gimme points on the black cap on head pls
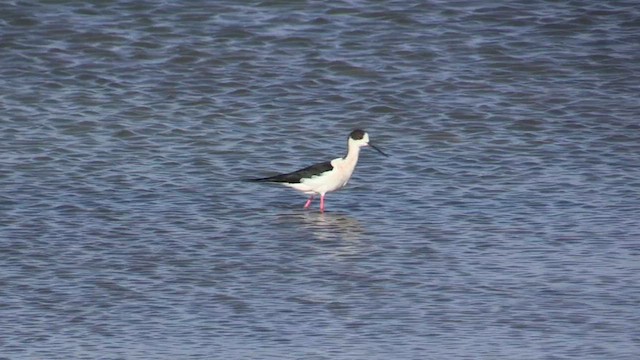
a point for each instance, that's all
(357, 134)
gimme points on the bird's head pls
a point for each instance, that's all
(360, 138)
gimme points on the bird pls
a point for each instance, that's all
(324, 177)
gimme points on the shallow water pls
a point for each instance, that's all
(503, 225)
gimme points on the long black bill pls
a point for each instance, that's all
(378, 150)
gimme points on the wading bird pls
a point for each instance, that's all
(325, 177)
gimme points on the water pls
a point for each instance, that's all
(504, 224)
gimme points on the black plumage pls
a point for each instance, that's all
(297, 176)
(357, 134)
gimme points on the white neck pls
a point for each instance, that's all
(353, 153)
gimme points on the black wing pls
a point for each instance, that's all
(297, 176)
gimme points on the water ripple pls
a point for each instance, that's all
(504, 225)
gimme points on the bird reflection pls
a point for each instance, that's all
(330, 225)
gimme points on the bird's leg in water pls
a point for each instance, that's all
(308, 203)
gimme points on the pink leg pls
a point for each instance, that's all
(308, 203)
(322, 203)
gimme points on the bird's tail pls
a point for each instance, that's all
(268, 179)
(282, 178)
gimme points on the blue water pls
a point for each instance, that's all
(504, 225)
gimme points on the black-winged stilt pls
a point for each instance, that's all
(325, 177)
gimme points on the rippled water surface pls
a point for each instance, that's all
(504, 225)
